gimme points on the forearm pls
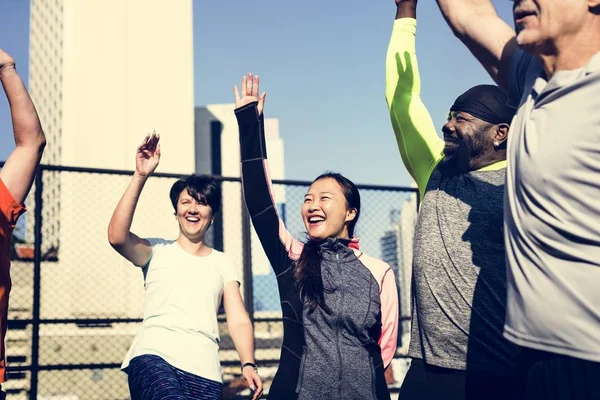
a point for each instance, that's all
(258, 192)
(242, 334)
(486, 35)
(26, 123)
(419, 145)
(406, 9)
(120, 223)
(461, 13)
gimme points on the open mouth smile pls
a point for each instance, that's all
(315, 220)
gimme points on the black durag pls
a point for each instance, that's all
(486, 102)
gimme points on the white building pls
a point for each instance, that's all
(102, 78)
(405, 230)
(397, 250)
(103, 74)
(218, 153)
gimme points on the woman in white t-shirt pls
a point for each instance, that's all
(175, 355)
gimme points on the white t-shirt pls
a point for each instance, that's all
(182, 297)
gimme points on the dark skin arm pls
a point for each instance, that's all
(406, 9)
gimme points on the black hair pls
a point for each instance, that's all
(203, 188)
(307, 273)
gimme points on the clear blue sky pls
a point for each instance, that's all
(322, 64)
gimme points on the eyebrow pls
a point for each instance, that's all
(463, 114)
(310, 194)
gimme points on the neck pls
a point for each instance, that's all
(573, 51)
(193, 246)
(462, 166)
(487, 159)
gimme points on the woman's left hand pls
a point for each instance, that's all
(253, 381)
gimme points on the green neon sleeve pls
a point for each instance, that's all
(420, 147)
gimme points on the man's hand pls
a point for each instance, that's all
(250, 86)
(406, 9)
(148, 155)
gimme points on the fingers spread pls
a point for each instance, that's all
(236, 94)
(249, 84)
(255, 86)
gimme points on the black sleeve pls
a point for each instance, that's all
(277, 243)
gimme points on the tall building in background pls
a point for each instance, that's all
(397, 250)
(405, 231)
(103, 74)
(218, 153)
(389, 243)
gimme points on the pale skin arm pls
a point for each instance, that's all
(242, 333)
(19, 170)
(250, 85)
(491, 40)
(125, 242)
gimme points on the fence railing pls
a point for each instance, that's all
(75, 305)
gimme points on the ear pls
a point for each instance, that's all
(350, 214)
(501, 133)
(593, 4)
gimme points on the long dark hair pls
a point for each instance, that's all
(307, 274)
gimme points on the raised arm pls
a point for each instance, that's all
(19, 170)
(279, 245)
(126, 243)
(491, 40)
(420, 147)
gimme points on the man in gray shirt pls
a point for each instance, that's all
(551, 70)
(459, 274)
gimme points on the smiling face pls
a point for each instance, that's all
(325, 210)
(194, 216)
(544, 25)
(466, 139)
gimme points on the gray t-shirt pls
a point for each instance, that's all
(459, 274)
(552, 209)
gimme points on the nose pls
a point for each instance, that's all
(313, 206)
(448, 128)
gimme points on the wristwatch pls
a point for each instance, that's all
(249, 364)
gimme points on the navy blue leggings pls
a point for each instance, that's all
(152, 378)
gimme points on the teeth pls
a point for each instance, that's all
(193, 219)
(316, 219)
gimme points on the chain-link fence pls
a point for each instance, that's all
(76, 304)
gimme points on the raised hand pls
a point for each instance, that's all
(148, 155)
(250, 86)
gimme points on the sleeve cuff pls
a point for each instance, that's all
(406, 25)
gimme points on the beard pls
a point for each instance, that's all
(461, 160)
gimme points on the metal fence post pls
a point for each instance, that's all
(37, 264)
(247, 265)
